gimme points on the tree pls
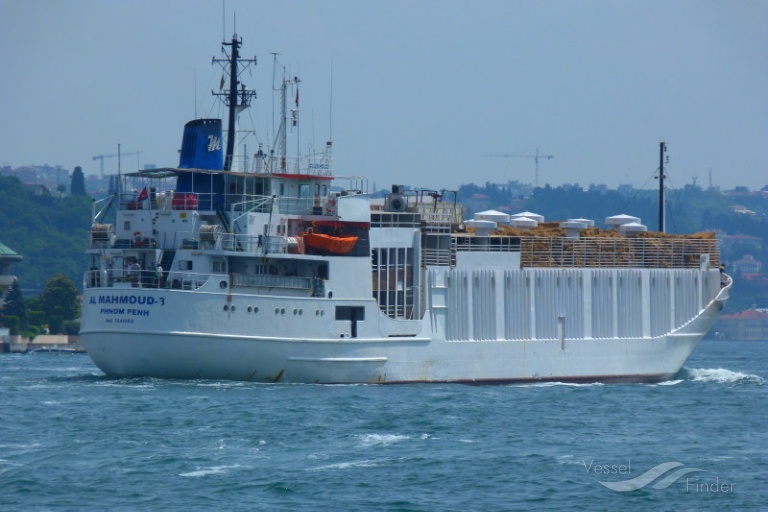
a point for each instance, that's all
(14, 304)
(12, 323)
(60, 299)
(77, 187)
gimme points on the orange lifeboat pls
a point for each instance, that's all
(328, 243)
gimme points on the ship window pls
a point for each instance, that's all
(304, 190)
(127, 225)
(185, 265)
(219, 267)
(282, 189)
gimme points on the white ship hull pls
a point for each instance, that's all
(198, 340)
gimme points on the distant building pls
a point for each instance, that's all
(7, 256)
(746, 265)
(749, 325)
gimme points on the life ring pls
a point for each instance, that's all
(137, 238)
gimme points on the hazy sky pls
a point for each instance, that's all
(422, 90)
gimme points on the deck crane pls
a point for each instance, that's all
(531, 153)
(112, 155)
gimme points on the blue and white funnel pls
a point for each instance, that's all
(201, 146)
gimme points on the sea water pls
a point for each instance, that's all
(73, 439)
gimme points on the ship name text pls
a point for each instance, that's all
(128, 299)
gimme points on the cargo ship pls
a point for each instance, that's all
(266, 271)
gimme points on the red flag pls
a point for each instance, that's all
(142, 195)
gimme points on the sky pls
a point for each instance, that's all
(421, 92)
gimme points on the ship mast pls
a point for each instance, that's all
(281, 136)
(662, 150)
(235, 99)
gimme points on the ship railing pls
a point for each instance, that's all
(168, 200)
(247, 204)
(259, 244)
(667, 252)
(294, 205)
(131, 278)
(206, 201)
(382, 219)
(485, 244)
(441, 216)
(280, 204)
(250, 244)
(318, 164)
(102, 236)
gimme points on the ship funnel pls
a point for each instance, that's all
(201, 145)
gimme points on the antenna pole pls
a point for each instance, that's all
(662, 150)
(330, 122)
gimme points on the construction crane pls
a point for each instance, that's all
(112, 155)
(531, 153)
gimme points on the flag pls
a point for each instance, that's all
(142, 195)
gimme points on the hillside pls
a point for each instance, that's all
(49, 232)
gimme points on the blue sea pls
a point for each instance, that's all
(73, 439)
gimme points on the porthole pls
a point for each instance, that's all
(223, 284)
(277, 311)
(295, 311)
(226, 307)
(301, 312)
(282, 311)
(256, 309)
(250, 309)
(233, 307)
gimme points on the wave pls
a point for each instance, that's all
(668, 383)
(720, 376)
(381, 439)
(367, 463)
(550, 384)
(214, 470)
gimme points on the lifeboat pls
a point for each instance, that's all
(329, 243)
